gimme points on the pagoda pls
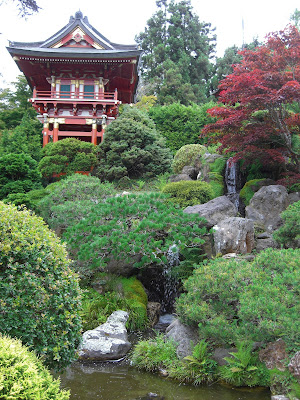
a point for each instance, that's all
(79, 78)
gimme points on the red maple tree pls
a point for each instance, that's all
(260, 103)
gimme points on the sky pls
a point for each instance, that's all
(121, 20)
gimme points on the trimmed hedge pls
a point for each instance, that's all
(189, 193)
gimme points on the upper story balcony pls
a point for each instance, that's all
(74, 96)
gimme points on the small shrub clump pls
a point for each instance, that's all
(23, 376)
(189, 193)
(189, 154)
(39, 293)
(289, 233)
(249, 189)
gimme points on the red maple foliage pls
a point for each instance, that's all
(260, 102)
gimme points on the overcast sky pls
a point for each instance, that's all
(121, 20)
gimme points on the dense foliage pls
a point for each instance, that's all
(71, 199)
(176, 53)
(132, 148)
(39, 294)
(189, 154)
(233, 300)
(189, 193)
(136, 229)
(180, 124)
(18, 174)
(67, 156)
(23, 376)
(289, 233)
(261, 115)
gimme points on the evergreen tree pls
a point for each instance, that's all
(177, 51)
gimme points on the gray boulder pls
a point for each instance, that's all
(190, 171)
(220, 353)
(294, 366)
(234, 235)
(293, 197)
(214, 211)
(184, 336)
(108, 341)
(274, 355)
(266, 205)
(180, 177)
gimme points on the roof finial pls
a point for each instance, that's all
(78, 15)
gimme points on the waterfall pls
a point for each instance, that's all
(233, 182)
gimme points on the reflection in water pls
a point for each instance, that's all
(112, 381)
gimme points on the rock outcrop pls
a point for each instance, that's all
(234, 235)
(108, 341)
(214, 211)
(184, 336)
(266, 206)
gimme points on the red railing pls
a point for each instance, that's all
(74, 95)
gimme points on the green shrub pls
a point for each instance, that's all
(289, 233)
(197, 368)
(67, 156)
(39, 294)
(232, 300)
(18, 174)
(248, 190)
(30, 199)
(153, 354)
(71, 199)
(187, 155)
(285, 383)
(132, 148)
(189, 193)
(244, 368)
(180, 124)
(23, 376)
(136, 229)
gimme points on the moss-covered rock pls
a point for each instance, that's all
(251, 187)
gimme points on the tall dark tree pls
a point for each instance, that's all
(175, 40)
(25, 7)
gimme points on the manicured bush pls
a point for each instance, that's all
(189, 154)
(133, 148)
(39, 294)
(189, 193)
(232, 300)
(23, 376)
(18, 174)
(72, 199)
(67, 156)
(134, 229)
(30, 199)
(289, 233)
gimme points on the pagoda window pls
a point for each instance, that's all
(65, 91)
(88, 91)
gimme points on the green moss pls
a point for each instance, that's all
(23, 376)
(249, 189)
(218, 166)
(189, 193)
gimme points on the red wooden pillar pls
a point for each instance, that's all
(55, 131)
(46, 134)
(94, 133)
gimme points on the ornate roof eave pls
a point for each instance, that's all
(73, 53)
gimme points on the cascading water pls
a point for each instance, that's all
(233, 182)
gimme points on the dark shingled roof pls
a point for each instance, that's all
(44, 48)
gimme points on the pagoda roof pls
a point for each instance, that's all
(78, 30)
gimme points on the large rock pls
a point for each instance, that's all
(214, 211)
(274, 355)
(234, 235)
(180, 177)
(294, 366)
(190, 171)
(220, 353)
(266, 205)
(108, 341)
(153, 310)
(184, 336)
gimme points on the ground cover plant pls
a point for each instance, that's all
(39, 293)
(23, 376)
(189, 193)
(288, 234)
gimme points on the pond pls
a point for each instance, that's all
(114, 381)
